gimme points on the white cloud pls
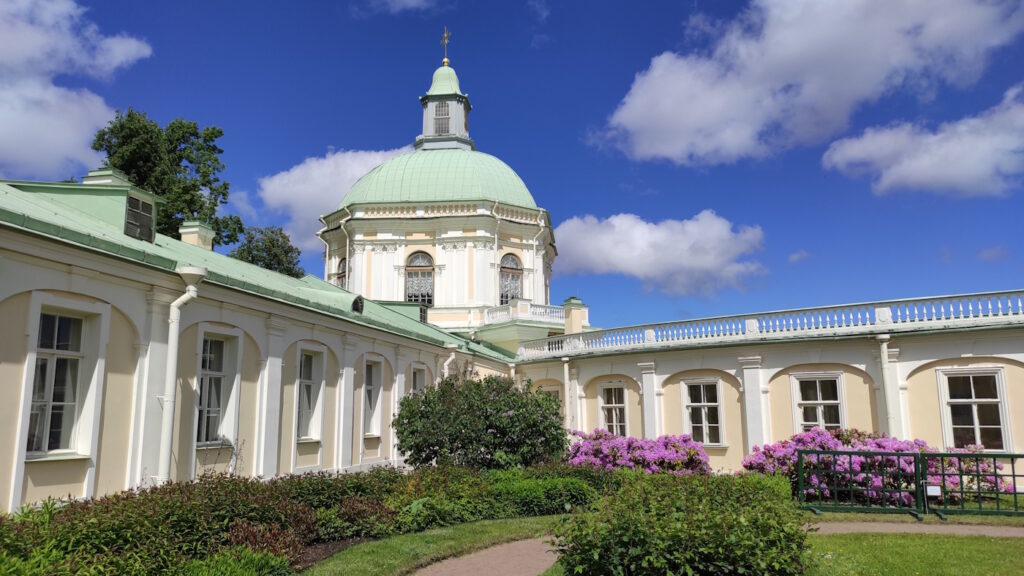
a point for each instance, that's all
(993, 254)
(315, 187)
(979, 155)
(396, 6)
(48, 129)
(799, 256)
(791, 73)
(695, 256)
(540, 9)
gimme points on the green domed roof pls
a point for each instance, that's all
(445, 82)
(448, 175)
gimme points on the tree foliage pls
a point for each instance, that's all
(180, 163)
(489, 423)
(269, 248)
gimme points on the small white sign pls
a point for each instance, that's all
(933, 490)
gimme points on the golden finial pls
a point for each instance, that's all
(445, 38)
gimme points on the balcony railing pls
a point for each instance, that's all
(523, 310)
(884, 317)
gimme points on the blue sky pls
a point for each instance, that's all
(698, 158)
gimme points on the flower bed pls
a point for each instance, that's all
(678, 455)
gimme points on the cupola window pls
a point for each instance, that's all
(511, 278)
(441, 118)
(138, 220)
(340, 277)
(419, 279)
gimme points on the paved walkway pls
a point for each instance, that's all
(533, 557)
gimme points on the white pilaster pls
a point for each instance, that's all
(888, 355)
(145, 439)
(269, 438)
(346, 397)
(649, 399)
(753, 404)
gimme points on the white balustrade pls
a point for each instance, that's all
(525, 311)
(885, 317)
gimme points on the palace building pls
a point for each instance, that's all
(130, 358)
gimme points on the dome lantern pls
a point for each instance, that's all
(445, 110)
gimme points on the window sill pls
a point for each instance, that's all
(308, 441)
(715, 446)
(214, 445)
(372, 435)
(55, 456)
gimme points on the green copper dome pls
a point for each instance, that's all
(445, 82)
(447, 175)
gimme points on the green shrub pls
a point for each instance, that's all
(541, 496)
(695, 525)
(355, 516)
(326, 489)
(489, 423)
(238, 561)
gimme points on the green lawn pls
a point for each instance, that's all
(928, 519)
(404, 554)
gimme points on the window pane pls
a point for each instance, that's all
(695, 397)
(711, 393)
(65, 380)
(961, 414)
(985, 387)
(62, 419)
(696, 416)
(960, 387)
(992, 438)
(697, 432)
(47, 327)
(420, 259)
(613, 396)
(213, 388)
(69, 334)
(36, 431)
(829, 390)
(963, 436)
(810, 414)
(809, 390)
(212, 426)
(712, 415)
(306, 371)
(988, 415)
(831, 415)
(39, 380)
(714, 435)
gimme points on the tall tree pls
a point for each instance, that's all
(269, 248)
(179, 162)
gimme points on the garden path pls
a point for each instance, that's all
(522, 558)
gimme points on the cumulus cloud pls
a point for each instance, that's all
(315, 187)
(979, 155)
(993, 254)
(791, 73)
(799, 256)
(48, 129)
(696, 256)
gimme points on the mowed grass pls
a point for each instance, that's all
(966, 519)
(906, 555)
(404, 554)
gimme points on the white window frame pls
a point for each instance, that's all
(232, 383)
(942, 376)
(797, 399)
(91, 377)
(601, 405)
(372, 424)
(420, 368)
(686, 404)
(319, 384)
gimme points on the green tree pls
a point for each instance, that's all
(269, 248)
(179, 163)
(489, 423)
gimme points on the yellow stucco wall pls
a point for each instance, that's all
(307, 454)
(551, 383)
(860, 403)
(56, 478)
(13, 347)
(118, 396)
(924, 403)
(720, 458)
(634, 416)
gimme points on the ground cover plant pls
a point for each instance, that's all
(488, 423)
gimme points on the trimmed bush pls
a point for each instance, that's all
(489, 423)
(678, 455)
(698, 525)
(238, 561)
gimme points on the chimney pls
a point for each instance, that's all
(197, 234)
(577, 315)
(107, 175)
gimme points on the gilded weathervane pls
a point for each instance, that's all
(445, 38)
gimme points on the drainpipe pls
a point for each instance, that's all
(497, 251)
(191, 275)
(445, 369)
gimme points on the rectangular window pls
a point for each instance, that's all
(55, 383)
(704, 412)
(975, 412)
(819, 405)
(613, 409)
(211, 392)
(309, 393)
(419, 379)
(372, 394)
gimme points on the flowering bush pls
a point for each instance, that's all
(887, 478)
(678, 455)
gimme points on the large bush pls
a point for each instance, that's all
(697, 525)
(678, 455)
(489, 423)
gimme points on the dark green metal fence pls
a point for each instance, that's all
(910, 482)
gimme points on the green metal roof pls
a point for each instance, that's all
(445, 82)
(446, 175)
(58, 211)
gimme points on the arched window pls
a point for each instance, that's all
(419, 279)
(511, 278)
(341, 274)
